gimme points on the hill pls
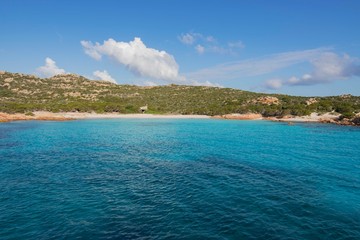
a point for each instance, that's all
(20, 93)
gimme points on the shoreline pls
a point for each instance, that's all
(68, 116)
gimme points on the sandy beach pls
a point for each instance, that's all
(64, 116)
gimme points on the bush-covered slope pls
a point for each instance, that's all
(26, 93)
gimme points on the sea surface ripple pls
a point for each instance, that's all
(178, 179)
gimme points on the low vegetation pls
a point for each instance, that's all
(21, 93)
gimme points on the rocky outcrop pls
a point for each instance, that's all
(267, 100)
(345, 96)
(356, 120)
(6, 117)
(311, 101)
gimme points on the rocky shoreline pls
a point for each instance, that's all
(331, 118)
(6, 117)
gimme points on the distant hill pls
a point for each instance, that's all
(20, 93)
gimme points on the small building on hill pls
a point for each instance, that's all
(143, 109)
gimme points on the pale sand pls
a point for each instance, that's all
(63, 116)
(117, 115)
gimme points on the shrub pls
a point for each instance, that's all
(29, 114)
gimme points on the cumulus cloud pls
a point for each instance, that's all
(327, 67)
(136, 57)
(104, 76)
(256, 66)
(209, 44)
(90, 49)
(49, 69)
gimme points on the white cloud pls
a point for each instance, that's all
(187, 82)
(139, 59)
(49, 69)
(330, 66)
(90, 49)
(327, 67)
(191, 37)
(254, 67)
(210, 39)
(187, 38)
(199, 49)
(206, 84)
(104, 76)
(209, 44)
(150, 83)
(238, 44)
(220, 50)
(274, 84)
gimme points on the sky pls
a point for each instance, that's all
(297, 47)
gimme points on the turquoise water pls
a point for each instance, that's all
(178, 179)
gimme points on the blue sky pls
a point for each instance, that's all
(292, 47)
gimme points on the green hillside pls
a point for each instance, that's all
(64, 93)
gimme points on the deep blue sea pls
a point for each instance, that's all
(178, 179)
